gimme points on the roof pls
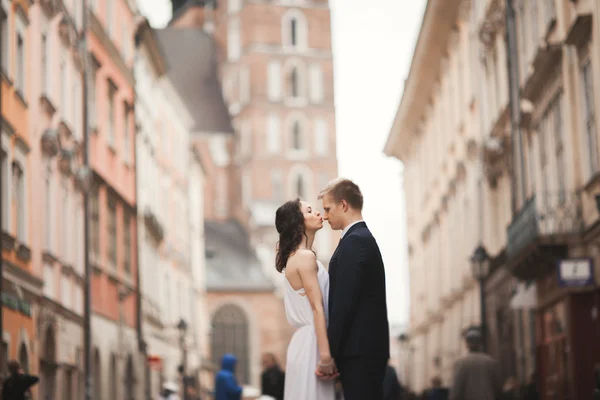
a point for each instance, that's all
(231, 263)
(192, 59)
(438, 21)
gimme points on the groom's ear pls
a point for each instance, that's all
(344, 205)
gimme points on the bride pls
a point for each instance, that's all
(306, 298)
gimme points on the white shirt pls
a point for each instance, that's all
(349, 226)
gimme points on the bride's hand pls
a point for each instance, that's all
(326, 368)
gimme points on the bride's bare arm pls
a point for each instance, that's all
(306, 265)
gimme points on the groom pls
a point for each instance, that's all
(358, 328)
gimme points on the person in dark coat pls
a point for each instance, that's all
(391, 386)
(272, 378)
(226, 386)
(477, 375)
(597, 389)
(18, 383)
(437, 392)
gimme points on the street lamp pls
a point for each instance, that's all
(480, 267)
(182, 326)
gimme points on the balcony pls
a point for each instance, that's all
(541, 232)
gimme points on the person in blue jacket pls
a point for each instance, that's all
(226, 386)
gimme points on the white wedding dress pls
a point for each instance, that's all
(301, 382)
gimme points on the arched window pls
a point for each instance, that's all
(295, 80)
(48, 365)
(296, 136)
(24, 358)
(230, 336)
(300, 187)
(294, 30)
(114, 392)
(294, 84)
(97, 369)
(129, 380)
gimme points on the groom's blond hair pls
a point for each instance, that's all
(344, 189)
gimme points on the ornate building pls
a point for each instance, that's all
(516, 152)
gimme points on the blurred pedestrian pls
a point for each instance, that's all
(169, 391)
(391, 385)
(510, 390)
(477, 375)
(226, 386)
(18, 384)
(437, 392)
(272, 378)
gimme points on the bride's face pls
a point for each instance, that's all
(312, 218)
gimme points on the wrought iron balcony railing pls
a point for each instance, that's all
(546, 216)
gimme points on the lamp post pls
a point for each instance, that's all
(182, 327)
(480, 265)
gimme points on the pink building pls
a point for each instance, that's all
(55, 104)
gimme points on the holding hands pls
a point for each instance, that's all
(326, 368)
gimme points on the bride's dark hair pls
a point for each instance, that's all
(289, 222)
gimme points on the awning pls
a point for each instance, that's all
(525, 297)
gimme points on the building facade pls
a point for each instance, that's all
(56, 124)
(22, 285)
(525, 147)
(170, 183)
(117, 367)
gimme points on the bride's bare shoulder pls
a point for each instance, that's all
(302, 259)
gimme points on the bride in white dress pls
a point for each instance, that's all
(306, 297)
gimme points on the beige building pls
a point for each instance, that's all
(524, 190)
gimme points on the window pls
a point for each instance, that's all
(64, 215)
(277, 185)
(244, 85)
(126, 133)
(92, 92)
(274, 80)
(557, 128)
(295, 80)
(273, 134)
(245, 138)
(110, 17)
(234, 43)
(63, 82)
(45, 65)
(295, 30)
(126, 243)
(69, 382)
(297, 135)
(316, 83)
(246, 189)
(111, 230)
(94, 222)
(230, 336)
(49, 281)
(221, 203)
(66, 292)
(294, 85)
(321, 137)
(300, 186)
(20, 200)
(24, 358)
(5, 37)
(589, 118)
(20, 81)
(112, 91)
(5, 190)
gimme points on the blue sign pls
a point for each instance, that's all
(575, 272)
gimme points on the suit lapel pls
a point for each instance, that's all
(333, 256)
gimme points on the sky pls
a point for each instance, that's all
(372, 50)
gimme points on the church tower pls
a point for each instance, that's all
(276, 67)
(278, 82)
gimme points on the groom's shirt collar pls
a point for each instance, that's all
(348, 227)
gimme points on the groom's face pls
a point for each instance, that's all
(333, 212)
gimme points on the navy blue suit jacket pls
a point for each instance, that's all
(358, 323)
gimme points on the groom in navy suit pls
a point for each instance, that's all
(358, 328)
